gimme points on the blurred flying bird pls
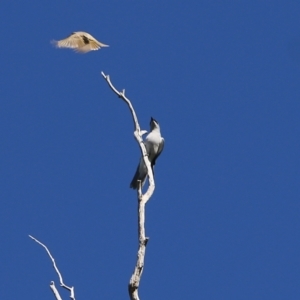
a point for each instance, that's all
(154, 144)
(80, 41)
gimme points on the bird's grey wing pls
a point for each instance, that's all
(140, 174)
(159, 151)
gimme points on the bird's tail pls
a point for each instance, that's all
(101, 44)
(140, 174)
(54, 43)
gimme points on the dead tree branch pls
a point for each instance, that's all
(142, 198)
(52, 285)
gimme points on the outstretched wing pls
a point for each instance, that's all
(81, 42)
(73, 41)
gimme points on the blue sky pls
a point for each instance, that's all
(222, 78)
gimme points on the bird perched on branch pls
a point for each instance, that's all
(154, 144)
(80, 41)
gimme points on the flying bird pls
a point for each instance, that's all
(80, 41)
(154, 144)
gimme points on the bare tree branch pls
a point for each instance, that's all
(142, 199)
(143, 240)
(52, 285)
(138, 136)
(55, 291)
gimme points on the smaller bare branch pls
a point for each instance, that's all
(139, 191)
(55, 291)
(125, 99)
(52, 286)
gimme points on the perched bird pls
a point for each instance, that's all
(154, 144)
(80, 41)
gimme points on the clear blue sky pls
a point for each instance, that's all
(222, 78)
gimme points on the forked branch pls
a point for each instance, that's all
(52, 285)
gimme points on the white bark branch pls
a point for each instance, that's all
(134, 282)
(143, 240)
(138, 136)
(55, 291)
(52, 285)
